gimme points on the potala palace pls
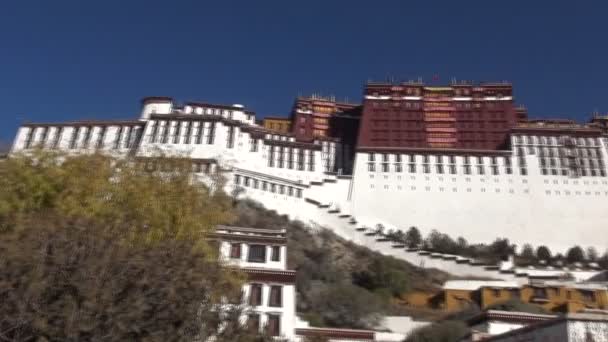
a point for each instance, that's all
(462, 158)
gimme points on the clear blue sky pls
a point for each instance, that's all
(64, 60)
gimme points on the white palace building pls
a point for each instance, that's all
(461, 159)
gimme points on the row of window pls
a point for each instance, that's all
(417, 104)
(442, 189)
(438, 159)
(208, 111)
(126, 137)
(572, 162)
(561, 151)
(256, 253)
(268, 186)
(576, 172)
(563, 140)
(273, 323)
(165, 132)
(443, 169)
(510, 180)
(285, 157)
(275, 299)
(498, 190)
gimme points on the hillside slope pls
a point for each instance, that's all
(340, 283)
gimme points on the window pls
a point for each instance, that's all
(280, 156)
(257, 253)
(276, 250)
(275, 298)
(30, 137)
(73, 139)
(235, 251)
(290, 155)
(253, 322)
(119, 135)
(515, 293)
(255, 295)
(540, 293)
(199, 133)
(154, 131)
(311, 160)
(588, 296)
(230, 139)
(44, 135)
(188, 132)
(165, 133)
(59, 132)
(211, 135)
(301, 159)
(177, 132)
(273, 327)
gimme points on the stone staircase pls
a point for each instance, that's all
(320, 209)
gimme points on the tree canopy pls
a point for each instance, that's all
(96, 248)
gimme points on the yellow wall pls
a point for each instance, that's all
(558, 299)
(491, 296)
(419, 299)
(456, 300)
(279, 125)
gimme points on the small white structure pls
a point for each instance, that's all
(526, 193)
(580, 327)
(495, 322)
(270, 289)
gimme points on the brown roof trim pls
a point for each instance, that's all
(252, 230)
(422, 150)
(191, 117)
(201, 117)
(526, 329)
(270, 275)
(193, 160)
(85, 123)
(156, 99)
(281, 118)
(367, 335)
(292, 144)
(509, 317)
(262, 130)
(587, 131)
(249, 238)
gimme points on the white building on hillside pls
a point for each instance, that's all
(551, 178)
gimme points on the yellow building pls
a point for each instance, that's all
(278, 124)
(459, 294)
(553, 296)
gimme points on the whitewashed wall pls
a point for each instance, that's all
(553, 210)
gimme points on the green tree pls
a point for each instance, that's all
(603, 261)
(462, 245)
(575, 254)
(527, 253)
(501, 248)
(592, 253)
(346, 305)
(443, 331)
(115, 251)
(413, 237)
(543, 253)
(382, 274)
(120, 194)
